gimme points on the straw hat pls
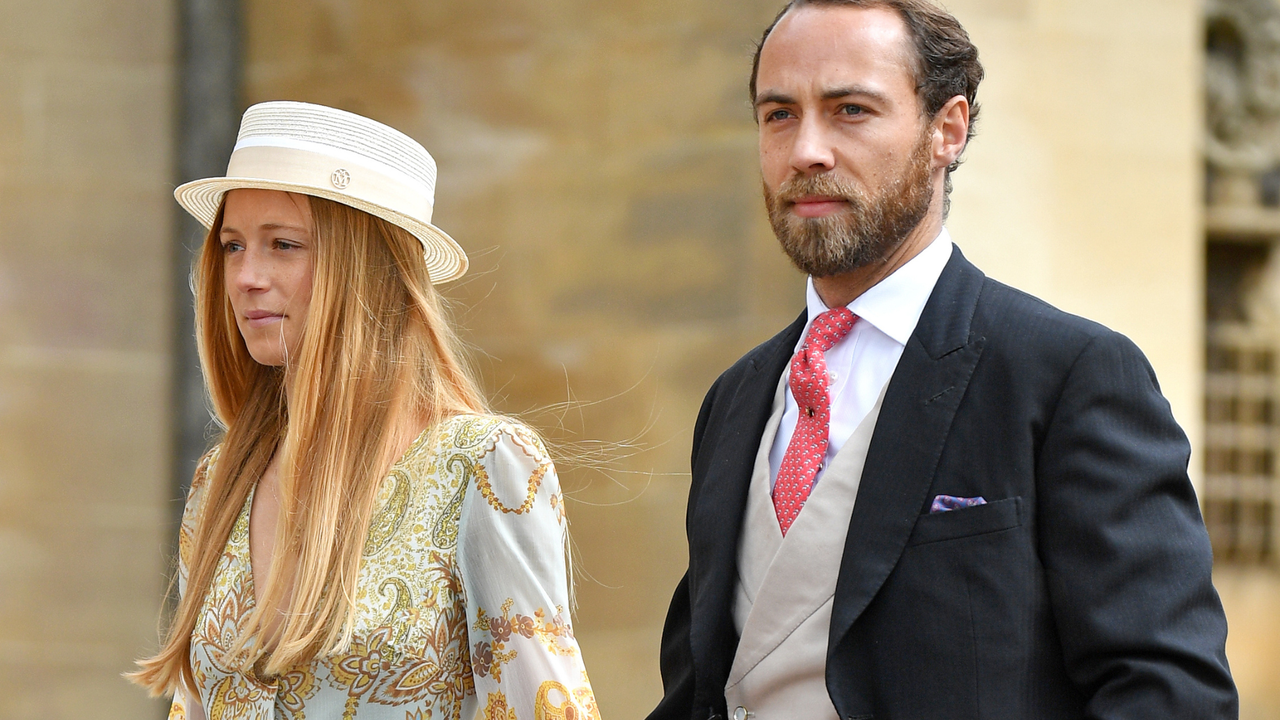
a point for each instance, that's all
(341, 156)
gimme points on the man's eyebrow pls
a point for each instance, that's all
(775, 98)
(854, 90)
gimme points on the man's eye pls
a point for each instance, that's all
(851, 109)
(778, 114)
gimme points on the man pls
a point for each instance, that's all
(931, 496)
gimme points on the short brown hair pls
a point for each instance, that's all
(946, 61)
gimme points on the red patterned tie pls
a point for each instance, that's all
(808, 444)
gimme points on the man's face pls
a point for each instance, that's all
(846, 156)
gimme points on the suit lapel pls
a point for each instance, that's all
(919, 405)
(715, 525)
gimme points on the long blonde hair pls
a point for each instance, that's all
(376, 349)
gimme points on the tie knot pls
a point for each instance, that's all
(828, 328)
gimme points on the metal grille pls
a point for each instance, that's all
(1241, 437)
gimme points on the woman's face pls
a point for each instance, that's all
(268, 241)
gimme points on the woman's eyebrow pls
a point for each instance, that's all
(283, 226)
(270, 226)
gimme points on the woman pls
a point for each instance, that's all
(366, 541)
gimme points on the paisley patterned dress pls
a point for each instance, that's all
(461, 603)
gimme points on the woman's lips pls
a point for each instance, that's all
(817, 206)
(261, 318)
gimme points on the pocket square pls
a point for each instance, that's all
(943, 503)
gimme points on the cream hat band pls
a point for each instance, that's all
(340, 156)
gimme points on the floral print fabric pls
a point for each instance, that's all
(461, 609)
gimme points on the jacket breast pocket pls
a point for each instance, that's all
(966, 522)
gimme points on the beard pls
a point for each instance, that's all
(867, 233)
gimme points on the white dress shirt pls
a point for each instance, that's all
(862, 362)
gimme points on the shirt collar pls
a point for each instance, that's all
(893, 305)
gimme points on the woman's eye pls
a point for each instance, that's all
(231, 246)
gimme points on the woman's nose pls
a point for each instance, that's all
(249, 272)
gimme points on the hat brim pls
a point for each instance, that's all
(445, 259)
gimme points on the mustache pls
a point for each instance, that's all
(825, 184)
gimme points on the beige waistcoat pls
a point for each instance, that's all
(782, 607)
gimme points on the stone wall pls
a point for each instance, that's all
(85, 220)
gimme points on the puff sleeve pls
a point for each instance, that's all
(511, 554)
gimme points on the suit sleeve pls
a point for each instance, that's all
(1127, 557)
(676, 659)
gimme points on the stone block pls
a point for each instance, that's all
(616, 589)
(84, 430)
(34, 686)
(85, 267)
(112, 31)
(997, 10)
(82, 529)
(1250, 596)
(623, 670)
(10, 116)
(96, 577)
(100, 125)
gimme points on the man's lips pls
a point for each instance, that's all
(817, 205)
(262, 318)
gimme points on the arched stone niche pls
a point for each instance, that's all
(1242, 99)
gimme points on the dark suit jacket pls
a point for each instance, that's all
(1081, 589)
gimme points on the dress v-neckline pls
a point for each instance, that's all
(245, 555)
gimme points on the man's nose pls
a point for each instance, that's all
(812, 151)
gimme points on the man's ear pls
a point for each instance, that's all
(950, 131)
